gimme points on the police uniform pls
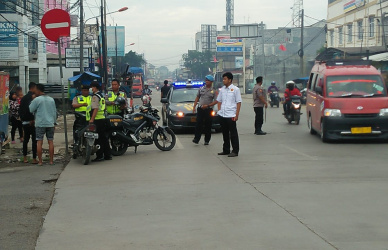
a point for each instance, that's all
(114, 109)
(98, 102)
(204, 118)
(258, 106)
(80, 122)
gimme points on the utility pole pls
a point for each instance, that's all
(263, 48)
(243, 65)
(116, 51)
(81, 36)
(301, 52)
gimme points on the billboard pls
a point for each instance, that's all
(353, 4)
(9, 41)
(227, 44)
(115, 36)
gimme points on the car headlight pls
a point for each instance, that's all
(383, 112)
(178, 114)
(332, 112)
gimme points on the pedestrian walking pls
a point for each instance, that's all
(16, 123)
(97, 116)
(259, 103)
(45, 113)
(28, 122)
(164, 90)
(206, 95)
(229, 104)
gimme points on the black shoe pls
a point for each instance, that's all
(233, 154)
(98, 159)
(261, 133)
(196, 142)
(223, 153)
(108, 158)
(206, 143)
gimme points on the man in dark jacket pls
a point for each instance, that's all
(28, 121)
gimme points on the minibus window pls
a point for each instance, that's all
(355, 86)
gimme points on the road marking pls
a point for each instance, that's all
(299, 153)
(57, 25)
(179, 144)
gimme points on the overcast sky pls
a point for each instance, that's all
(165, 29)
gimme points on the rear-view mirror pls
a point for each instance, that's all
(318, 89)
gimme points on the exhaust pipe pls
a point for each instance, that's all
(122, 137)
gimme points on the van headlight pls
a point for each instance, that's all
(383, 112)
(332, 112)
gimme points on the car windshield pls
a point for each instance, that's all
(184, 95)
(355, 86)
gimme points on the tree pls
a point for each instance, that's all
(130, 58)
(198, 63)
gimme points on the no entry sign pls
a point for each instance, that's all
(55, 24)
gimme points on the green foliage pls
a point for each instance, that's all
(198, 63)
(133, 59)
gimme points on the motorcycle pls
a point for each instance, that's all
(294, 113)
(274, 99)
(137, 129)
(86, 136)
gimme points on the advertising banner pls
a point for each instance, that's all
(238, 60)
(115, 40)
(4, 99)
(227, 44)
(9, 44)
(353, 4)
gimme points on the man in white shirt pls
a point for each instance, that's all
(229, 104)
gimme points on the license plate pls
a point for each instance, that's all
(193, 119)
(361, 130)
(91, 135)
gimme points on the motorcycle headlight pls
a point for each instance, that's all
(296, 106)
(332, 112)
(384, 112)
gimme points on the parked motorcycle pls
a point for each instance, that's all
(294, 113)
(86, 136)
(137, 129)
(274, 99)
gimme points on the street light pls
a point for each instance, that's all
(82, 26)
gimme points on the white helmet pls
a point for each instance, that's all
(146, 99)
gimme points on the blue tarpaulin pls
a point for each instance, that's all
(87, 74)
(135, 70)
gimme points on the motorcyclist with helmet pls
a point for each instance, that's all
(80, 104)
(113, 107)
(291, 90)
(272, 87)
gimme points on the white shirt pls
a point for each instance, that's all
(229, 97)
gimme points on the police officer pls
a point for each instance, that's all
(111, 107)
(205, 96)
(80, 104)
(259, 102)
(97, 116)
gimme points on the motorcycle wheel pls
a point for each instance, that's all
(164, 144)
(117, 147)
(297, 118)
(88, 152)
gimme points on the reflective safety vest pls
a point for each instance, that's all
(113, 109)
(101, 108)
(82, 99)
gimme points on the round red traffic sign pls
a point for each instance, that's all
(55, 23)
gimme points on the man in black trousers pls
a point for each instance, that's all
(259, 102)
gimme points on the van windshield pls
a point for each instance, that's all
(355, 86)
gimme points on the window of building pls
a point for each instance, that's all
(360, 30)
(340, 35)
(371, 26)
(350, 33)
(8, 6)
(331, 34)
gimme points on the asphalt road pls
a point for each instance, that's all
(286, 190)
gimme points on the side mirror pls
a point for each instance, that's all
(318, 89)
(164, 100)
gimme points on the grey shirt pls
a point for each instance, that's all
(206, 96)
(257, 92)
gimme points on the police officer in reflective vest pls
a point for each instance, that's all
(80, 104)
(111, 107)
(97, 116)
